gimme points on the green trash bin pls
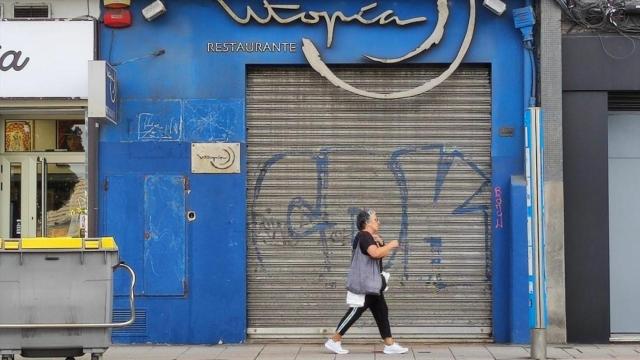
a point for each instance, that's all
(56, 296)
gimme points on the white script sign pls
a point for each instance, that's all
(364, 17)
(45, 59)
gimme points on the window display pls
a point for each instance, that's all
(45, 135)
(17, 136)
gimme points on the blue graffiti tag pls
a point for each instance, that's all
(315, 214)
(446, 159)
(435, 244)
(264, 169)
(306, 218)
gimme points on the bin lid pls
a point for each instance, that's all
(58, 243)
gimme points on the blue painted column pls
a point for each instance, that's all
(519, 304)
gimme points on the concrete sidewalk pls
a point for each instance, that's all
(364, 352)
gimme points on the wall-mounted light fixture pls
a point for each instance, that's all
(495, 6)
(154, 10)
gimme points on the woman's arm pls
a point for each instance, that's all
(382, 251)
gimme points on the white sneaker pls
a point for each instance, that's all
(394, 349)
(335, 347)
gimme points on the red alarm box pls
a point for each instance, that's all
(117, 18)
(116, 4)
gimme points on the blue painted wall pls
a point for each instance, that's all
(189, 95)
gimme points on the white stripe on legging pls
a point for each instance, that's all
(346, 321)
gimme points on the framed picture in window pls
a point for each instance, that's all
(70, 134)
(18, 135)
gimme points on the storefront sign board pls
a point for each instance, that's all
(45, 59)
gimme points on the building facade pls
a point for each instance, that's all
(251, 132)
(601, 129)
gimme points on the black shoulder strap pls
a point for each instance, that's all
(355, 244)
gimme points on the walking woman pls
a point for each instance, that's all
(366, 284)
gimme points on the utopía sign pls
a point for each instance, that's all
(274, 13)
(315, 17)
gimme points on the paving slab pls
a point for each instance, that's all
(316, 352)
(279, 352)
(471, 352)
(125, 352)
(357, 352)
(505, 352)
(355, 356)
(432, 352)
(163, 352)
(589, 352)
(627, 350)
(201, 353)
(382, 356)
(556, 352)
(240, 352)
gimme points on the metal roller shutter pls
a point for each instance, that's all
(317, 153)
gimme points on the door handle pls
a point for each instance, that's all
(43, 196)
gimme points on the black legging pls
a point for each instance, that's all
(379, 309)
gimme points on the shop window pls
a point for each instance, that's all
(45, 135)
(28, 11)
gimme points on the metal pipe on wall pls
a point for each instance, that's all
(534, 145)
(524, 19)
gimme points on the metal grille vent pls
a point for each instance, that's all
(31, 11)
(624, 101)
(137, 329)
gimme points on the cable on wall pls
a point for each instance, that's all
(614, 16)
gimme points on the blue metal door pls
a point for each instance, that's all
(164, 235)
(158, 255)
